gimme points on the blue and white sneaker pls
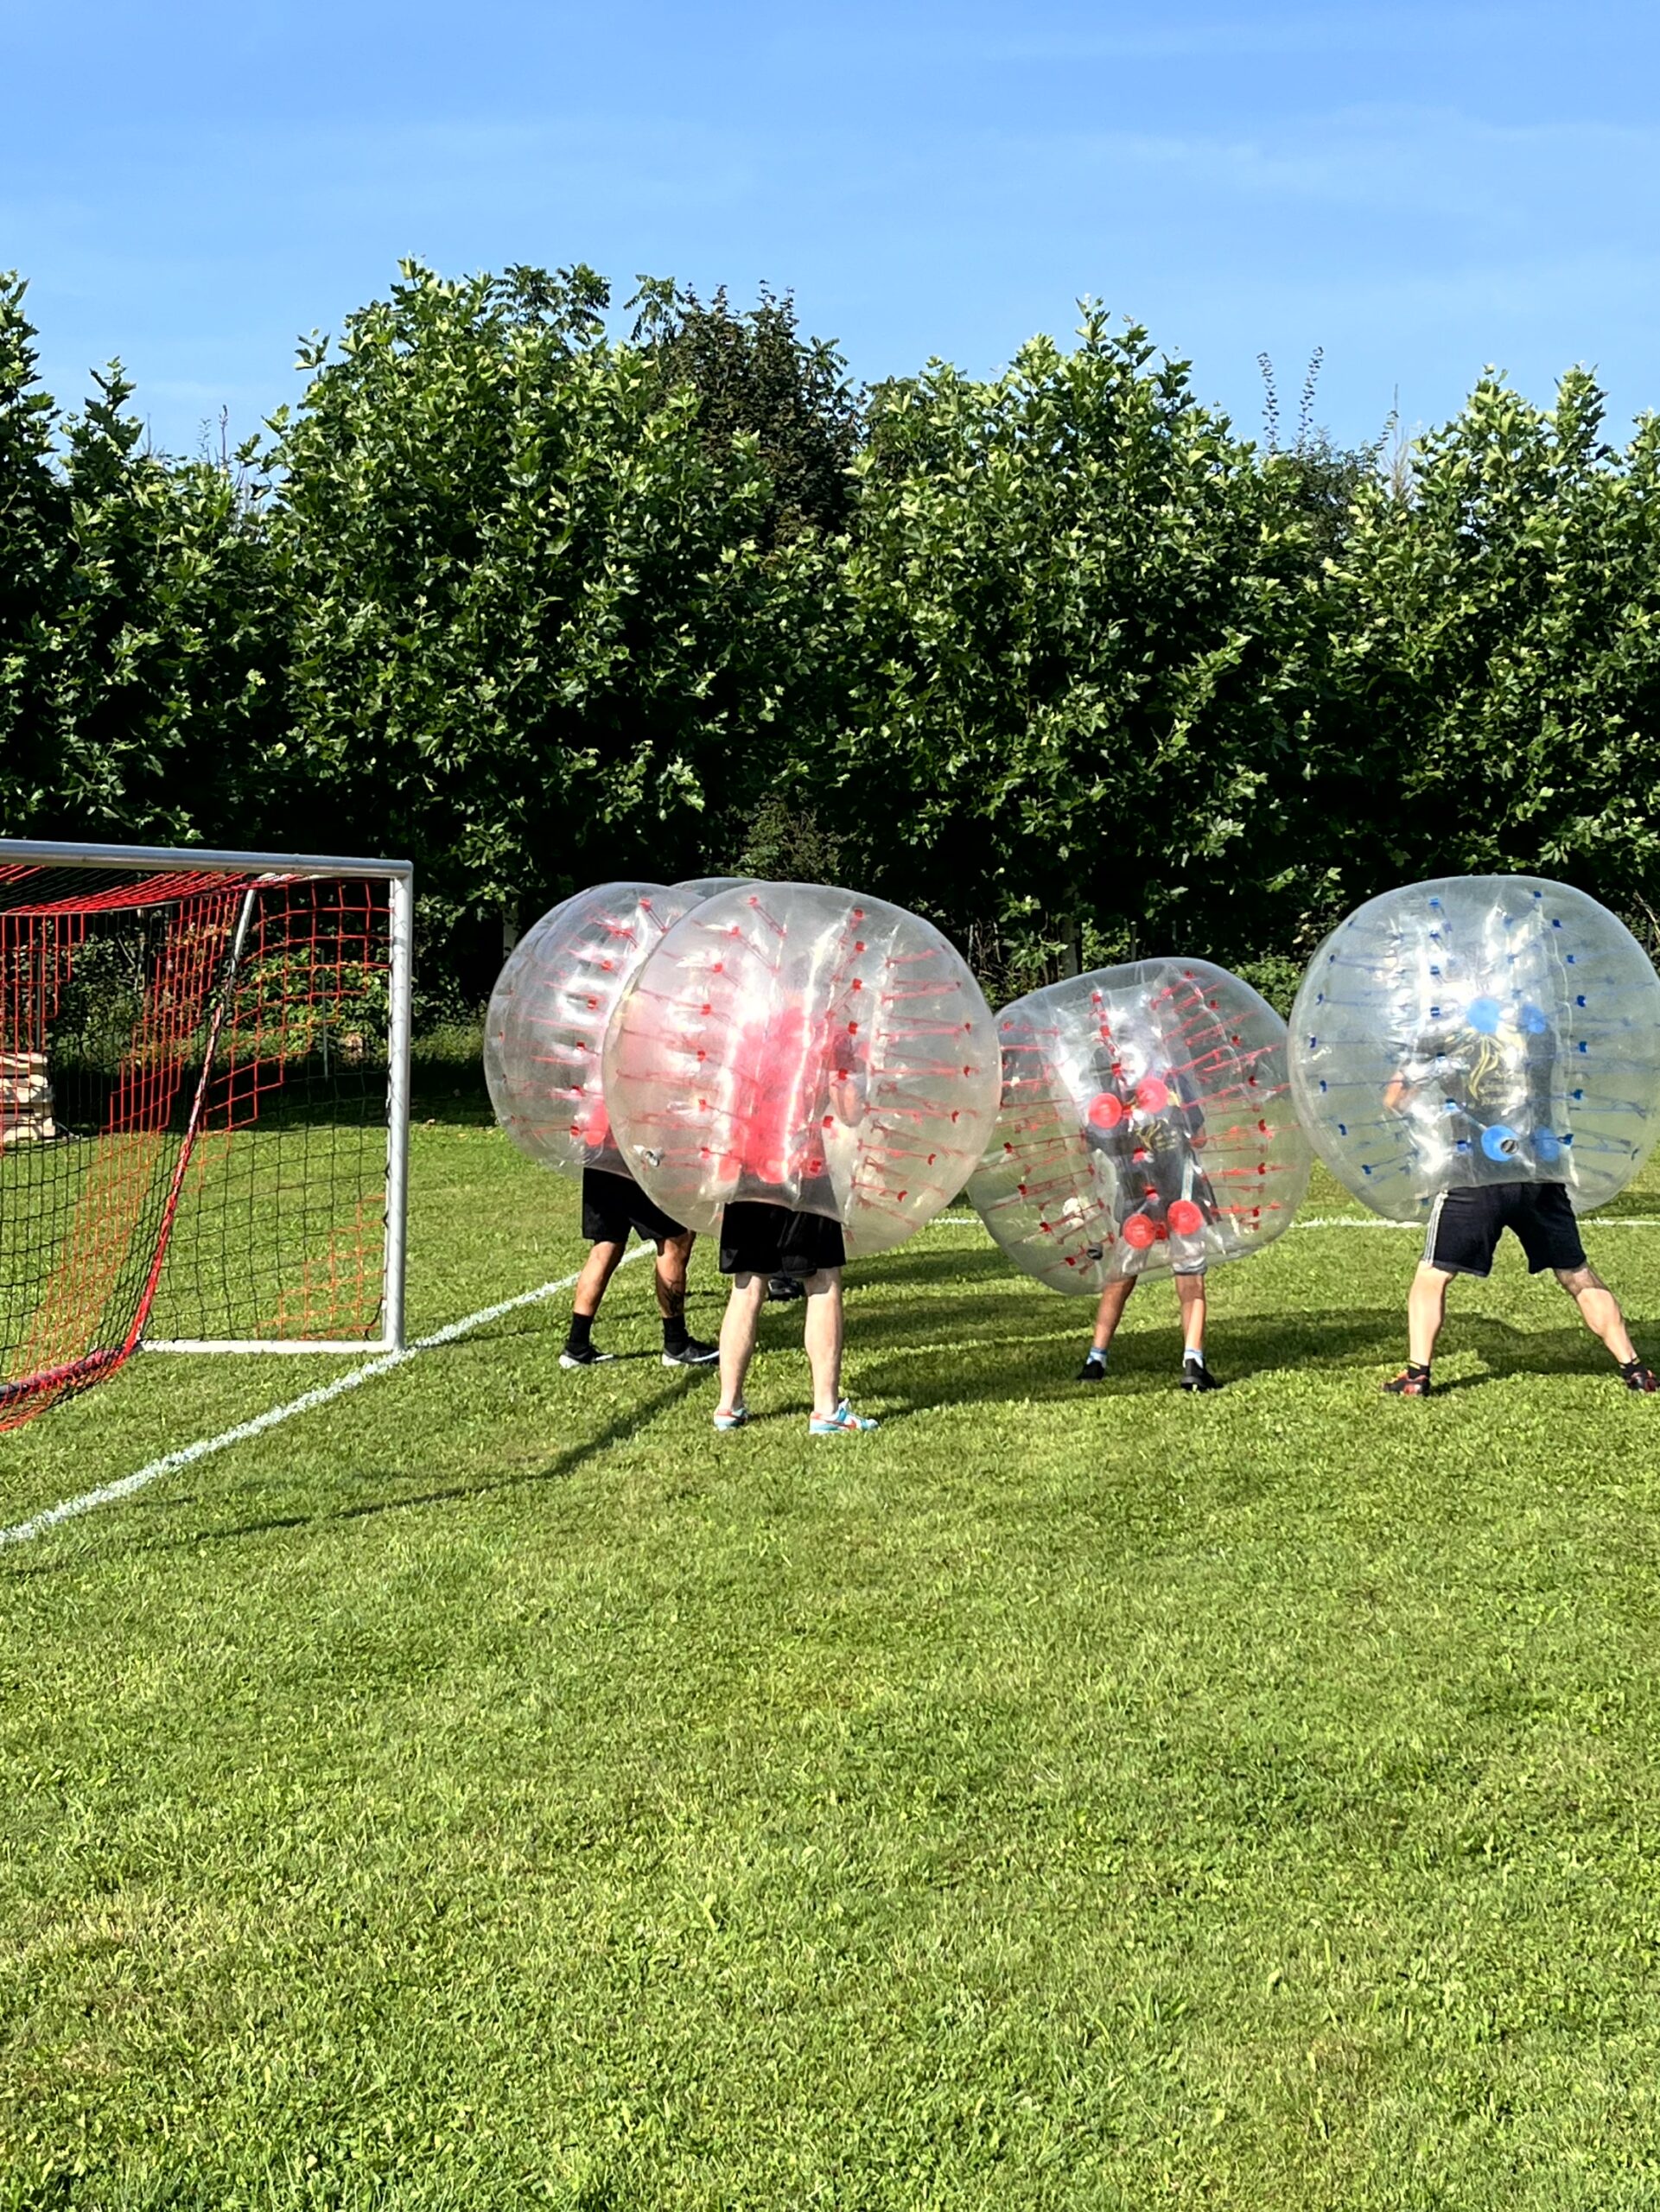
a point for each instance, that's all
(843, 1422)
(735, 1417)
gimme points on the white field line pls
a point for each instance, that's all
(308, 1402)
(23, 1532)
(1368, 1221)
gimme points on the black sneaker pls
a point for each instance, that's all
(1195, 1375)
(1639, 1376)
(780, 1289)
(1094, 1369)
(1410, 1382)
(585, 1356)
(693, 1353)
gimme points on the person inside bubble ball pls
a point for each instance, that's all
(801, 1082)
(1151, 1128)
(613, 1205)
(1479, 1091)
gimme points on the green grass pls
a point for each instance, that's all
(496, 1791)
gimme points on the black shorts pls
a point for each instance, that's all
(1467, 1225)
(758, 1239)
(613, 1204)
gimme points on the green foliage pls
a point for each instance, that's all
(537, 634)
(1057, 656)
(785, 845)
(1073, 600)
(755, 376)
(33, 527)
(143, 638)
(170, 640)
(1495, 653)
(1276, 975)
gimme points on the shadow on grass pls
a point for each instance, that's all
(625, 1423)
(1027, 1343)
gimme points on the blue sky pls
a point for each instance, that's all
(1420, 190)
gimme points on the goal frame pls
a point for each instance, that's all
(400, 877)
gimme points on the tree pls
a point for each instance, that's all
(1077, 605)
(1494, 679)
(755, 376)
(34, 522)
(140, 638)
(171, 643)
(538, 638)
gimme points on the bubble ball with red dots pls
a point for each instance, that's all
(545, 1031)
(803, 1046)
(1145, 1127)
(1476, 1030)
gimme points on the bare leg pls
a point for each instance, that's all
(1189, 1289)
(672, 1254)
(823, 1336)
(738, 1327)
(1426, 1311)
(1111, 1310)
(1598, 1310)
(598, 1268)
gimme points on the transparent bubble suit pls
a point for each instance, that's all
(809, 1048)
(545, 1031)
(1146, 1127)
(1478, 1029)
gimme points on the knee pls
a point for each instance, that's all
(1577, 1281)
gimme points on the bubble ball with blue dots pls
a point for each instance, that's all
(1478, 1029)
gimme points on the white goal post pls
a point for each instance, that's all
(204, 1107)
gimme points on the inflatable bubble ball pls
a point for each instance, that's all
(1146, 1127)
(545, 1031)
(1478, 1029)
(808, 1048)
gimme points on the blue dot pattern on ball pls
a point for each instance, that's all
(1450, 1016)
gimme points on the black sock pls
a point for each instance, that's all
(1630, 1366)
(581, 1330)
(1416, 1367)
(676, 1335)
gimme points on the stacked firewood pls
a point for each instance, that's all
(25, 1100)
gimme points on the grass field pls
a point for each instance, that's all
(494, 1791)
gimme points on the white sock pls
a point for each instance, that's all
(1195, 1352)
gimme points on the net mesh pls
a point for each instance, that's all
(192, 1114)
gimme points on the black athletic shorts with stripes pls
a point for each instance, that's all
(1466, 1226)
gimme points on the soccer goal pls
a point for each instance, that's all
(204, 1108)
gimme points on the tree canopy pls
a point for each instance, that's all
(1059, 657)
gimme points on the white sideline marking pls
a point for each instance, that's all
(1371, 1221)
(111, 1493)
(188, 1454)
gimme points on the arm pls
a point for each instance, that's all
(849, 1083)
